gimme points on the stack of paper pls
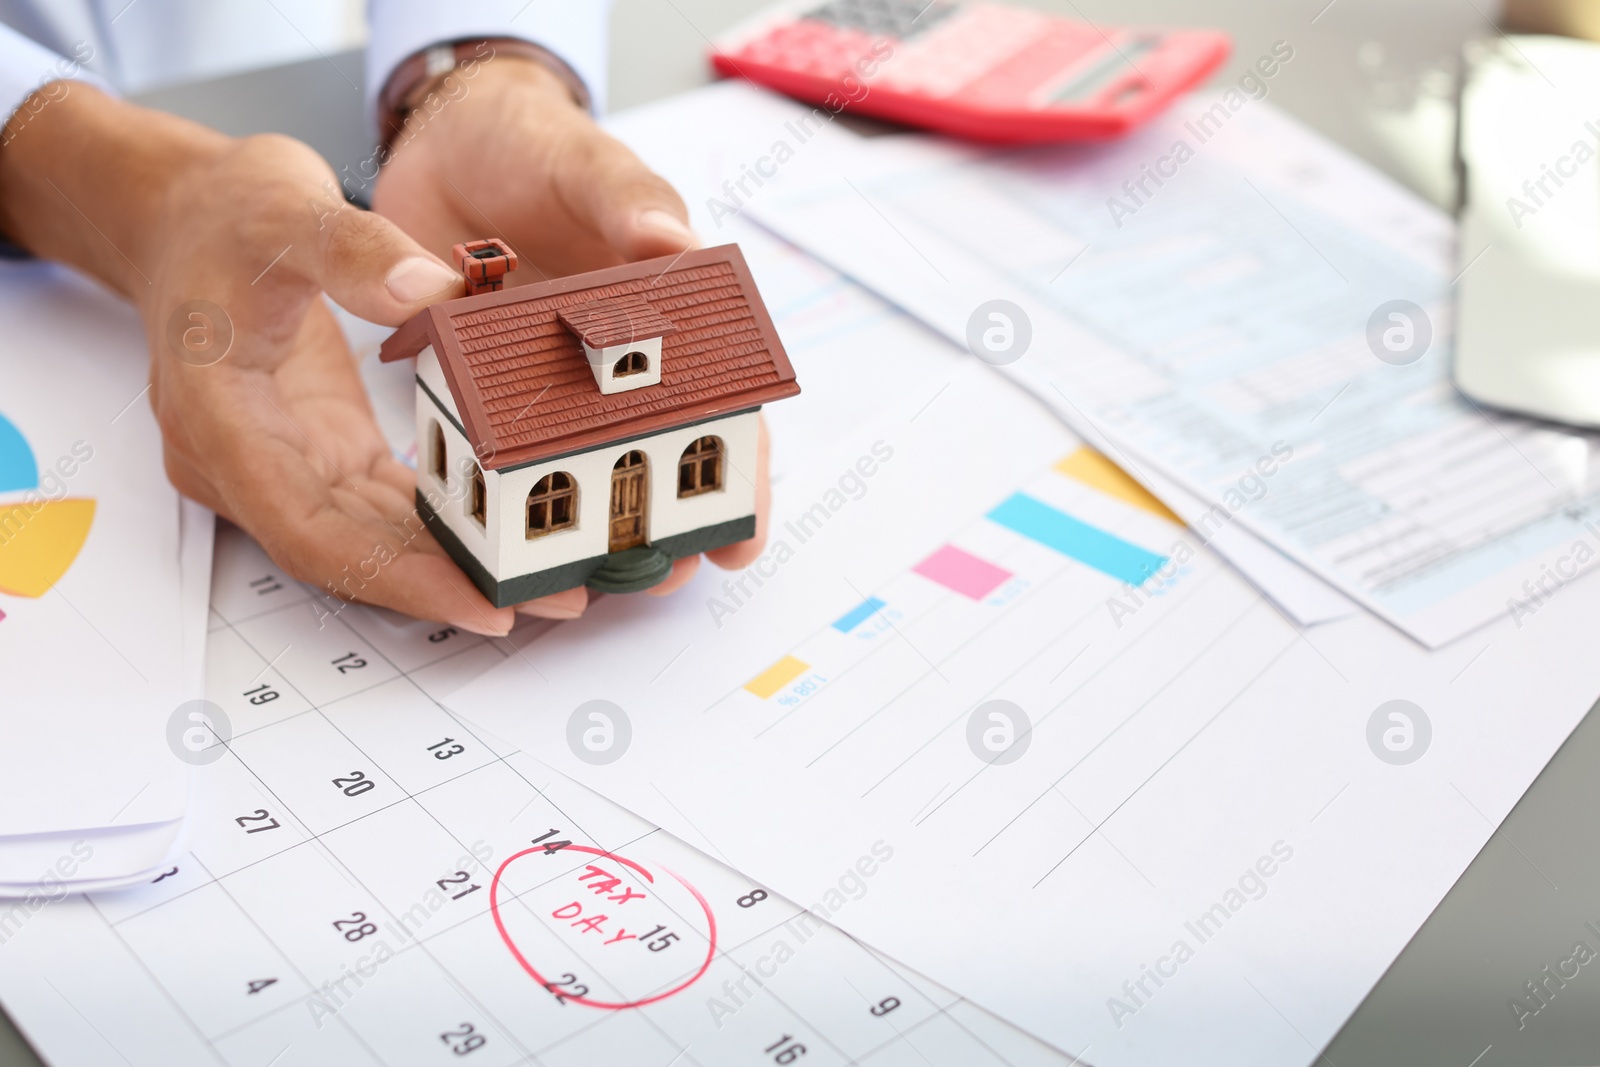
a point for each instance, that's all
(104, 575)
(1253, 324)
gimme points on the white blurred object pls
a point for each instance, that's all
(1413, 114)
(143, 44)
(1527, 333)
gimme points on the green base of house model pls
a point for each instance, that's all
(630, 571)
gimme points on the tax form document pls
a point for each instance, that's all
(1180, 830)
(1246, 310)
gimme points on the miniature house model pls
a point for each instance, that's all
(591, 429)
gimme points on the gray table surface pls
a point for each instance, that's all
(1360, 65)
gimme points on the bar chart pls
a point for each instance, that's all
(953, 574)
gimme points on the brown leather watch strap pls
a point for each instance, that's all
(408, 87)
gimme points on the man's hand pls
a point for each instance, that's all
(278, 435)
(509, 154)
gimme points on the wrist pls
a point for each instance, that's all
(494, 114)
(524, 73)
(88, 181)
(428, 82)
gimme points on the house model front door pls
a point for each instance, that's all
(629, 494)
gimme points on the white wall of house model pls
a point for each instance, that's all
(501, 542)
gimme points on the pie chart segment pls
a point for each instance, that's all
(39, 539)
(17, 468)
(37, 546)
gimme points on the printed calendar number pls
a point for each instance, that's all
(262, 816)
(356, 927)
(464, 1039)
(752, 898)
(569, 986)
(785, 1050)
(267, 584)
(354, 784)
(884, 1006)
(550, 847)
(441, 752)
(657, 944)
(348, 662)
(443, 635)
(460, 878)
(258, 984)
(261, 694)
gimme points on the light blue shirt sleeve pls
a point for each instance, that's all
(25, 66)
(574, 30)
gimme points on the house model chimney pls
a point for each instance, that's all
(484, 263)
(621, 337)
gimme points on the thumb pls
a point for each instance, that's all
(638, 213)
(371, 268)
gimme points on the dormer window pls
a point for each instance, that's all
(621, 338)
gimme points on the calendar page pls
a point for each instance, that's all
(368, 879)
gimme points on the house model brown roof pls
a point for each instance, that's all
(523, 385)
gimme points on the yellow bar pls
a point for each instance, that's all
(1097, 472)
(777, 676)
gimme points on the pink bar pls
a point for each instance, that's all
(962, 572)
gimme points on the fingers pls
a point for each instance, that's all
(371, 268)
(637, 212)
(358, 539)
(682, 571)
(568, 604)
(296, 460)
(429, 586)
(367, 264)
(515, 160)
(368, 562)
(571, 603)
(356, 551)
(654, 231)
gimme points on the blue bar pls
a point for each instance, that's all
(1087, 544)
(858, 615)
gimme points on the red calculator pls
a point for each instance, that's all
(987, 72)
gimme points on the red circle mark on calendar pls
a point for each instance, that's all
(533, 972)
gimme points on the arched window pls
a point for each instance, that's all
(700, 467)
(438, 461)
(553, 504)
(632, 363)
(478, 501)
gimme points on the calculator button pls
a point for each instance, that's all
(962, 50)
(903, 19)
